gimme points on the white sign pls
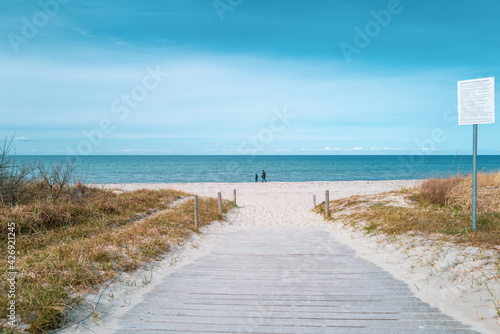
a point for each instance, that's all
(476, 101)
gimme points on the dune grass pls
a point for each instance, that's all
(440, 207)
(439, 211)
(71, 246)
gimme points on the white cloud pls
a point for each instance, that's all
(331, 149)
(132, 150)
(82, 32)
(387, 149)
(23, 139)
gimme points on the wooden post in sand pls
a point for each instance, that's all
(219, 196)
(234, 195)
(327, 203)
(314, 200)
(196, 220)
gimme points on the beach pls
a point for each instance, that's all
(235, 166)
(276, 206)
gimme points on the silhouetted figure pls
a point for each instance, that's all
(264, 176)
(256, 178)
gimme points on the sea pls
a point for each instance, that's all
(279, 168)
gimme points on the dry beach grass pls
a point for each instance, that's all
(431, 222)
(71, 245)
(437, 207)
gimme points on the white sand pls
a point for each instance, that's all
(449, 284)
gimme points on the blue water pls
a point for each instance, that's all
(174, 169)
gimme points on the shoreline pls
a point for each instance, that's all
(250, 182)
(385, 184)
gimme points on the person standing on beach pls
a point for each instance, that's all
(256, 178)
(264, 176)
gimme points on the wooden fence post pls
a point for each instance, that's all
(314, 200)
(234, 195)
(196, 220)
(327, 203)
(219, 196)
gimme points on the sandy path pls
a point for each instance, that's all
(278, 204)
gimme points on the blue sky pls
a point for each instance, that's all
(241, 76)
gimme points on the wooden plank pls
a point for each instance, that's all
(273, 281)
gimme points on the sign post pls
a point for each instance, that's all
(474, 176)
(476, 105)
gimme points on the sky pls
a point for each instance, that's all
(243, 77)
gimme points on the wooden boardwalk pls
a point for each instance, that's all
(284, 280)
